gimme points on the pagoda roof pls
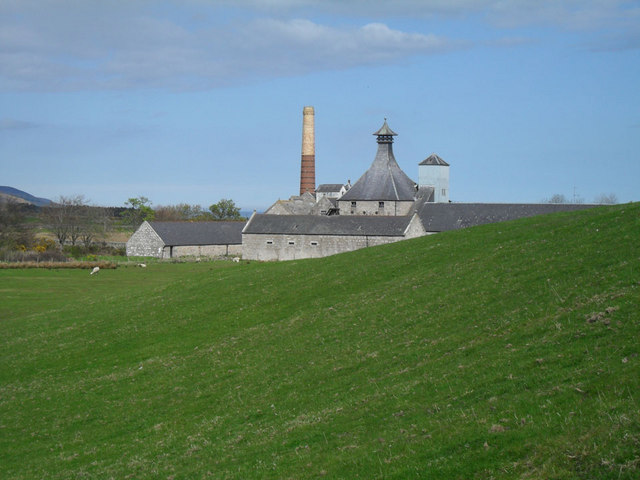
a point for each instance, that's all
(385, 130)
(384, 180)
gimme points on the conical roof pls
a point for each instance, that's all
(384, 180)
(433, 159)
(385, 130)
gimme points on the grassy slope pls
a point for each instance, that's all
(471, 354)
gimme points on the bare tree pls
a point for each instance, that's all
(607, 199)
(65, 218)
(558, 198)
(90, 224)
(13, 227)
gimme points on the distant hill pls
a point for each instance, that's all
(11, 193)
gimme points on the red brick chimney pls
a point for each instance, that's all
(308, 163)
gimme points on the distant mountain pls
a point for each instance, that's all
(20, 196)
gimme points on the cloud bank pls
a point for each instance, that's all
(55, 45)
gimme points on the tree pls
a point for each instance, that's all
(67, 217)
(13, 227)
(558, 198)
(607, 199)
(225, 209)
(180, 212)
(139, 210)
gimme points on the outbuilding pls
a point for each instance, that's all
(181, 239)
(290, 237)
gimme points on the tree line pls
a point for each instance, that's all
(73, 221)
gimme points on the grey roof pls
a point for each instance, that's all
(296, 205)
(385, 130)
(327, 225)
(199, 233)
(440, 217)
(433, 159)
(384, 180)
(329, 187)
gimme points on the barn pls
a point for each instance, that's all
(186, 239)
(289, 237)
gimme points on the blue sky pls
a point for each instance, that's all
(192, 101)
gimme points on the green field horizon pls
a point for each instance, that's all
(503, 351)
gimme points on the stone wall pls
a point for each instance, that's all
(211, 251)
(372, 207)
(144, 242)
(270, 247)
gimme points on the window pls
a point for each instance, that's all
(353, 204)
(314, 244)
(381, 205)
(269, 242)
(291, 242)
(444, 191)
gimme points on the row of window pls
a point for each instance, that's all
(292, 242)
(380, 204)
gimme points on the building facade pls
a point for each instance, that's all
(186, 239)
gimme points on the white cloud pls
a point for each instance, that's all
(55, 45)
(108, 52)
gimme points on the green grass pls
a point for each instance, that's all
(504, 351)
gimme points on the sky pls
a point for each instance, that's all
(192, 101)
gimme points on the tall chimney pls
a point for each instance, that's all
(308, 163)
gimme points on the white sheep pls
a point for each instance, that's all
(236, 259)
(95, 270)
(143, 265)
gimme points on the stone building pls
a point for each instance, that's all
(383, 206)
(290, 237)
(180, 239)
(384, 189)
(332, 190)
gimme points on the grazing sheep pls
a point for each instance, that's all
(236, 259)
(143, 265)
(95, 270)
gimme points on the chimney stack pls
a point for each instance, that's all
(308, 163)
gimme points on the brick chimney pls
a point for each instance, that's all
(308, 163)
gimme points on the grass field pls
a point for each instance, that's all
(503, 351)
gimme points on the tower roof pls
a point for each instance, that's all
(384, 180)
(385, 130)
(433, 159)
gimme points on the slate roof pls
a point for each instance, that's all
(440, 217)
(385, 130)
(433, 159)
(199, 233)
(296, 205)
(329, 187)
(384, 180)
(327, 225)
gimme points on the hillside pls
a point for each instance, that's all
(19, 196)
(502, 351)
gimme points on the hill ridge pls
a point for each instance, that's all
(501, 351)
(14, 192)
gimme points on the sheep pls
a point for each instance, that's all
(143, 265)
(95, 270)
(236, 259)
